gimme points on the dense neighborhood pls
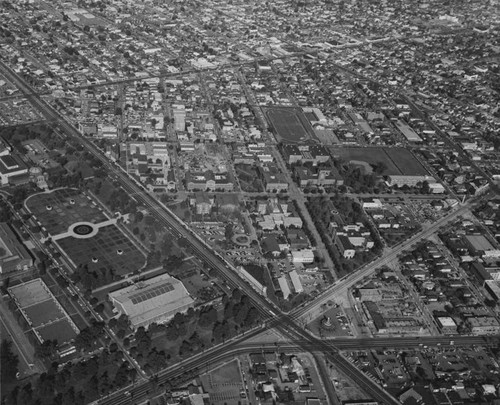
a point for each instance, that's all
(242, 203)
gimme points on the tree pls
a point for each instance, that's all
(9, 362)
(138, 217)
(46, 350)
(229, 231)
(208, 317)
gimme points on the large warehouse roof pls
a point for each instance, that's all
(156, 299)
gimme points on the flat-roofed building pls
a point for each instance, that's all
(478, 243)
(483, 325)
(11, 166)
(408, 132)
(285, 289)
(13, 255)
(155, 300)
(297, 284)
(447, 324)
(303, 256)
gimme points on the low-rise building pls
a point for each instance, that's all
(13, 255)
(273, 179)
(305, 154)
(297, 284)
(11, 166)
(285, 289)
(483, 325)
(208, 181)
(345, 247)
(447, 325)
(155, 300)
(302, 256)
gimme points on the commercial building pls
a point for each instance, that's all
(155, 300)
(493, 288)
(297, 284)
(408, 132)
(285, 289)
(447, 325)
(483, 325)
(179, 113)
(478, 243)
(254, 283)
(303, 256)
(13, 255)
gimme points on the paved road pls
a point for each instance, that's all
(287, 325)
(313, 309)
(240, 347)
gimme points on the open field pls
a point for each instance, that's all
(57, 210)
(100, 252)
(290, 124)
(397, 161)
(41, 307)
(30, 293)
(406, 162)
(43, 312)
(60, 331)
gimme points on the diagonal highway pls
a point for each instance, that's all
(286, 324)
(340, 287)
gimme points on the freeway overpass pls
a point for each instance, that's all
(284, 323)
(140, 392)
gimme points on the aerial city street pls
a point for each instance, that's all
(250, 202)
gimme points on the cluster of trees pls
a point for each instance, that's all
(75, 384)
(47, 350)
(120, 325)
(20, 193)
(9, 362)
(306, 230)
(358, 181)
(249, 179)
(187, 331)
(88, 338)
(91, 279)
(117, 199)
(120, 201)
(321, 210)
(60, 178)
(45, 133)
(5, 211)
(240, 311)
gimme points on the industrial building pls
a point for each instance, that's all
(155, 300)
